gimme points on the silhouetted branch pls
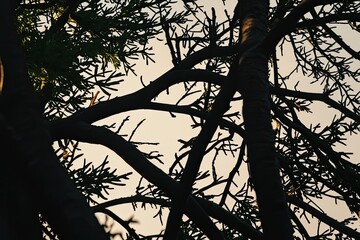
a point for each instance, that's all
(212, 209)
(298, 223)
(334, 36)
(64, 17)
(190, 111)
(230, 220)
(232, 174)
(324, 218)
(131, 155)
(220, 106)
(323, 97)
(125, 224)
(288, 24)
(143, 96)
(252, 77)
(209, 52)
(331, 155)
(320, 21)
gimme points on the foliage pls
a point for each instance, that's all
(78, 48)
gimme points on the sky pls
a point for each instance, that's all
(159, 127)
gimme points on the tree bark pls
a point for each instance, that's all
(16, 207)
(253, 86)
(40, 176)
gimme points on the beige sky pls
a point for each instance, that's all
(161, 127)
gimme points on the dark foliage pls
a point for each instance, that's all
(258, 97)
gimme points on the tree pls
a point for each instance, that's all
(79, 52)
(33, 179)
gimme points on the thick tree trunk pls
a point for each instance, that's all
(16, 207)
(253, 86)
(40, 176)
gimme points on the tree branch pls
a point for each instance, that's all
(315, 141)
(336, 38)
(123, 223)
(143, 96)
(209, 52)
(324, 218)
(220, 106)
(187, 110)
(212, 209)
(289, 23)
(131, 155)
(328, 19)
(316, 96)
(63, 19)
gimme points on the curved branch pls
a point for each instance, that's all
(233, 127)
(314, 140)
(99, 135)
(328, 19)
(289, 23)
(316, 96)
(132, 199)
(212, 209)
(325, 218)
(130, 154)
(232, 173)
(196, 154)
(123, 223)
(143, 96)
(210, 52)
(339, 40)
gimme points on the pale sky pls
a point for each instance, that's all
(161, 127)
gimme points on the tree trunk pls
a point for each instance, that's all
(16, 208)
(40, 176)
(253, 86)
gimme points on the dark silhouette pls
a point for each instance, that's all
(37, 181)
(63, 60)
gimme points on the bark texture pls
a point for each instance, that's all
(253, 86)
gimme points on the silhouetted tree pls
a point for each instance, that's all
(274, 60)
(33, 179)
